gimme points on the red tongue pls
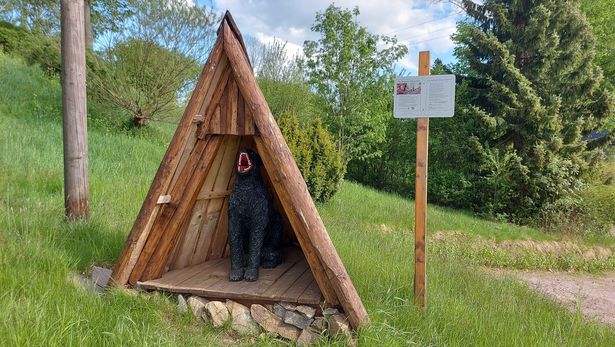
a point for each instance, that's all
(244, 164)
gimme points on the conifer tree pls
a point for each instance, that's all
(533, 92)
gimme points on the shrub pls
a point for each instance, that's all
(591, 212)
(320, 163)
(34, 48)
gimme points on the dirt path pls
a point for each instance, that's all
(593, 294)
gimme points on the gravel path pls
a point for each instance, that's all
(593, 294)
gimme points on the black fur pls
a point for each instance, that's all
(254, 228)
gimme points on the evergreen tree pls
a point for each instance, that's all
(533, 91)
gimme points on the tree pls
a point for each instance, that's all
(533, 91)
(352, 74)
(153, 62)
(35, 15)
(43, 16)
(143, 79)
(273, 63)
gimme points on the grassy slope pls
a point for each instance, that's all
(39, 306)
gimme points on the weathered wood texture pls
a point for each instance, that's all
(291, 281)
(74, 110)
(292, 191)
(420, 207)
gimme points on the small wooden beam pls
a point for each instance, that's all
(198, 118)
(164, 199)
(214, 195)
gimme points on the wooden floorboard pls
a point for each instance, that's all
(292, 281)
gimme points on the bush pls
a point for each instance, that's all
(35, 49)
(591, 212)
(320, 163)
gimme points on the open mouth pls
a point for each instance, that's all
(243, 163)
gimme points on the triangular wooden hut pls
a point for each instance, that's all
(178, 242)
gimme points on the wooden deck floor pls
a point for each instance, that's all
(291, 281)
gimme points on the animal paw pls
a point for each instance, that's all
(236, 275)
(251, 275)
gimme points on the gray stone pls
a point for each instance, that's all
(242, 320)
(101, 276)
(279, 310)
(297, 319)
(272, 323)
(330, 311)
(197, 305)
(288, 306)
(320, 324)
(217, 313)
(306, 311)
(308, 337)
(182, 305)
(338, 325)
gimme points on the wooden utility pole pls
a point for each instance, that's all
(420, 208)
(74, 109)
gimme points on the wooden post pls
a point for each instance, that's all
(420, 208)
(74, 109)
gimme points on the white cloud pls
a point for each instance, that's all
(422, 25)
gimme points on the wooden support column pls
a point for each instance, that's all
(74, 110)
(420, 207)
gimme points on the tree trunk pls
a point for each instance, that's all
(87, 20)
(74, 109)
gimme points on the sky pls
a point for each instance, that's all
(418, 24)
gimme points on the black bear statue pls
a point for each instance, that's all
(254, 227)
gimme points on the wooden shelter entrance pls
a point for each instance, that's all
(179, 240)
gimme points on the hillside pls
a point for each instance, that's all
(370, 229)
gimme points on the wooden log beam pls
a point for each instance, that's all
(140, 229)
(74, 110)
(290, 185)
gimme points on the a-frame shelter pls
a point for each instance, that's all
(178, 242)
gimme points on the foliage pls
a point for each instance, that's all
(601, 15)
(533, 92)
(394, 171)
(271, 62)
(314, 151)
(33, 47)
(350, 71)
(149, 67)
(289, 97)
(42, 16)
(143, 79)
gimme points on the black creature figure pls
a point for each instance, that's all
(254, 228)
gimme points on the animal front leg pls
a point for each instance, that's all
(236, 245)
(254, 260)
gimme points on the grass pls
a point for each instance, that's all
(371, 231)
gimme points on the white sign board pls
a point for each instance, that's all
(424, 96)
